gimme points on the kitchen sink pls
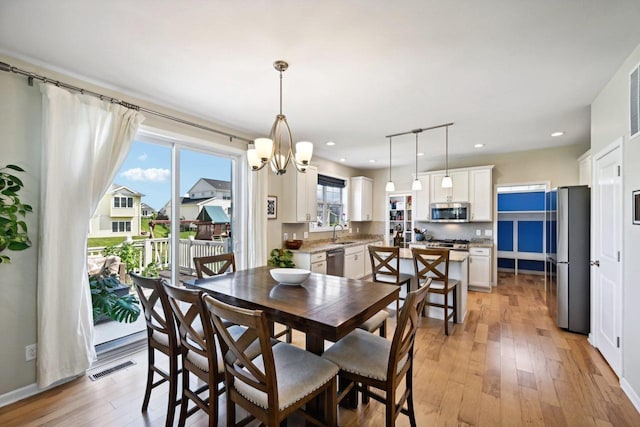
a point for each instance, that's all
(343, 243)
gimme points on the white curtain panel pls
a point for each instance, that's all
(257, 230)
(86, 140)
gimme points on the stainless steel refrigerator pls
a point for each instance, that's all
(567, 224)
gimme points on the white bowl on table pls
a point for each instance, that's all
(289, 276)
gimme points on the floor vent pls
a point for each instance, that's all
(105, 372)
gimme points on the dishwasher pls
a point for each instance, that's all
(335, 262)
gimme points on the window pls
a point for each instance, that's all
(121, 226)
(122, 202)
(330, 207)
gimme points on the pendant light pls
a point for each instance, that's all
(447, 182)
(417, 185)
(390, 185)
(277, 150)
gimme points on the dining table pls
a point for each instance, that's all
(324, 307)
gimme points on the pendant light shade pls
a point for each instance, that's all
(390, 185)
(447, 182)
(417, 185)
(277, 150)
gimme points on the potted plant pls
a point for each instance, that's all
(111, 299)
(282, 258)
(13, 230)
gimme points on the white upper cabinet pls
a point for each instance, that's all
(300, 201)
(480, 191)
(458, 193)
(361, 199)
(421, 200)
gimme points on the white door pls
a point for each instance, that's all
(606, 270)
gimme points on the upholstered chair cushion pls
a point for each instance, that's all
(298, 373)
(362, 353)
(374, 321)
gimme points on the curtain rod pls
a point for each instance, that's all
(419, 130)
(32, 76)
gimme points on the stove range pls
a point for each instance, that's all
(460, 245)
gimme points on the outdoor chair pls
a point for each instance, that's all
(367, 360)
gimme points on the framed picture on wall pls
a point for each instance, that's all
(272, 207)
(636, 207)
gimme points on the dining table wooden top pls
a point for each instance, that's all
(324, 307)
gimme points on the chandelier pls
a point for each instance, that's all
(277, 150)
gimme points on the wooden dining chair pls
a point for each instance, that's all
(276, 383)
(427, 264)
(385, 268)
(368, 361)
(213, 265)
(162, 336)
(200, 356)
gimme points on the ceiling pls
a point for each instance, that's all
(507, 73)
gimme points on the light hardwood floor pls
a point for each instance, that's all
(506, 365)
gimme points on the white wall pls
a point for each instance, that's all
(609, 121)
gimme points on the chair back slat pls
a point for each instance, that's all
(155, 306)
(427, 262)
(239, 353)
(385, 261)
(194, 324)
(405, 333)
(213, 265)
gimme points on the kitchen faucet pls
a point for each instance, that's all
(334, 238)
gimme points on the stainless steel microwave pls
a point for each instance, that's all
(450, 212)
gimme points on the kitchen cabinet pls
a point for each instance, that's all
(361, 199)
(300, 201)
(399, 217)
(480, 191)
(480, 268)
(458, 193)
(421, 208)
(316, 262)
(354, 261)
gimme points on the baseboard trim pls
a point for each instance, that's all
(591, 341)
(631, 393)
(28, 391)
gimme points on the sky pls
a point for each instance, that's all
(147, 170)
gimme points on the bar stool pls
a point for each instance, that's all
(385, 267)
(426, 263)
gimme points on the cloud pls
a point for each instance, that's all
(151, 174)
(142, 157)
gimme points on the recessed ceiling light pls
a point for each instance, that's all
(557, 134)
(330, 143)
(420, 154)
(343, 159)
(478, 145)
(372, 161)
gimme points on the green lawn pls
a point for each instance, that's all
(159, 231)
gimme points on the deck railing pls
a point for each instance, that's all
(158, 251)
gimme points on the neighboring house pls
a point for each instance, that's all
(146, 211)
(118, 213)
(205, 192)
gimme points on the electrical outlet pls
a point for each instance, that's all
(305, 235)
(294, 236)
(488, 232)
(30, 352)
(478, 232)
(350, 230)
(357, 229)
(286, 236)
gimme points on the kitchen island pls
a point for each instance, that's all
(458, 269)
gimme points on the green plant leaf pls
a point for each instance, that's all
(15, 168)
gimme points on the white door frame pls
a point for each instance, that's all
(593, 337)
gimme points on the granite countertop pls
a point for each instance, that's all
(483, 244)
(324, 245)
(454, 256)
